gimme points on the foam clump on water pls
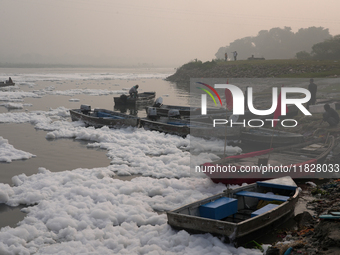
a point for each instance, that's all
(9, 153)
(106, 215)
(84, 211)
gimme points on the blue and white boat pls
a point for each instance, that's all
(102, 117)
(240, 214)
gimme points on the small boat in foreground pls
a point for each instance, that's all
(240, 214)
(102, 117)
(145, 98)
(267, 136)
(293, 159)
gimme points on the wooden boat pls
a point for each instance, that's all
(267, 137)
(102, 117)
(219, 114)
(240, 214)
(294, 159)
(184, 127)
(127, 109)
(145, 98)
(6, 83)
(185, 111)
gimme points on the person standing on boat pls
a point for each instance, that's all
(10, 80)
(330, 115)
(312, 89)
(133, 91)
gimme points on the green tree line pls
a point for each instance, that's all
(278, 43)
(329, 49)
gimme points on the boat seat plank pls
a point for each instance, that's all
(275, 185)
(262, 196)
(264, 209)
(108, 115)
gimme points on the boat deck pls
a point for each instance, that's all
(241, 214)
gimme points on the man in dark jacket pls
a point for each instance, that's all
(312, 89)
(133, 91)
(330, 115)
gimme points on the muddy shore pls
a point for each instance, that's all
(311, 234)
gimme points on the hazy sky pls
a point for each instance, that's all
(170, 32)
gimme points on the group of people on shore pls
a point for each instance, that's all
(234, 54)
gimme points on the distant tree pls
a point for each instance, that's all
(276, 43)
(305, 38)
(221, 52)
(329, 49)
(303, 55)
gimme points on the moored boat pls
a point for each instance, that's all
(102, 117)
(185, 111)
(6, 83)
(270, 137)
(184, 127)
(240, 214)
(145, 98)
(299, 160)
(212, 113)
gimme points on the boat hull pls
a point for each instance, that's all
(184, 127)
(91, 119)
(269, 137)
(6, 84)
(188, 218)
(146, 98)
(293, 157)
(185, 111)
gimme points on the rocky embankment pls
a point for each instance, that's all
(314, 235)
(255, 69)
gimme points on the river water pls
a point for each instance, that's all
(66, 154)
(70, 88)
(34, 119)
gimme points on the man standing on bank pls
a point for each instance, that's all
(235, 55)
(312, 89)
